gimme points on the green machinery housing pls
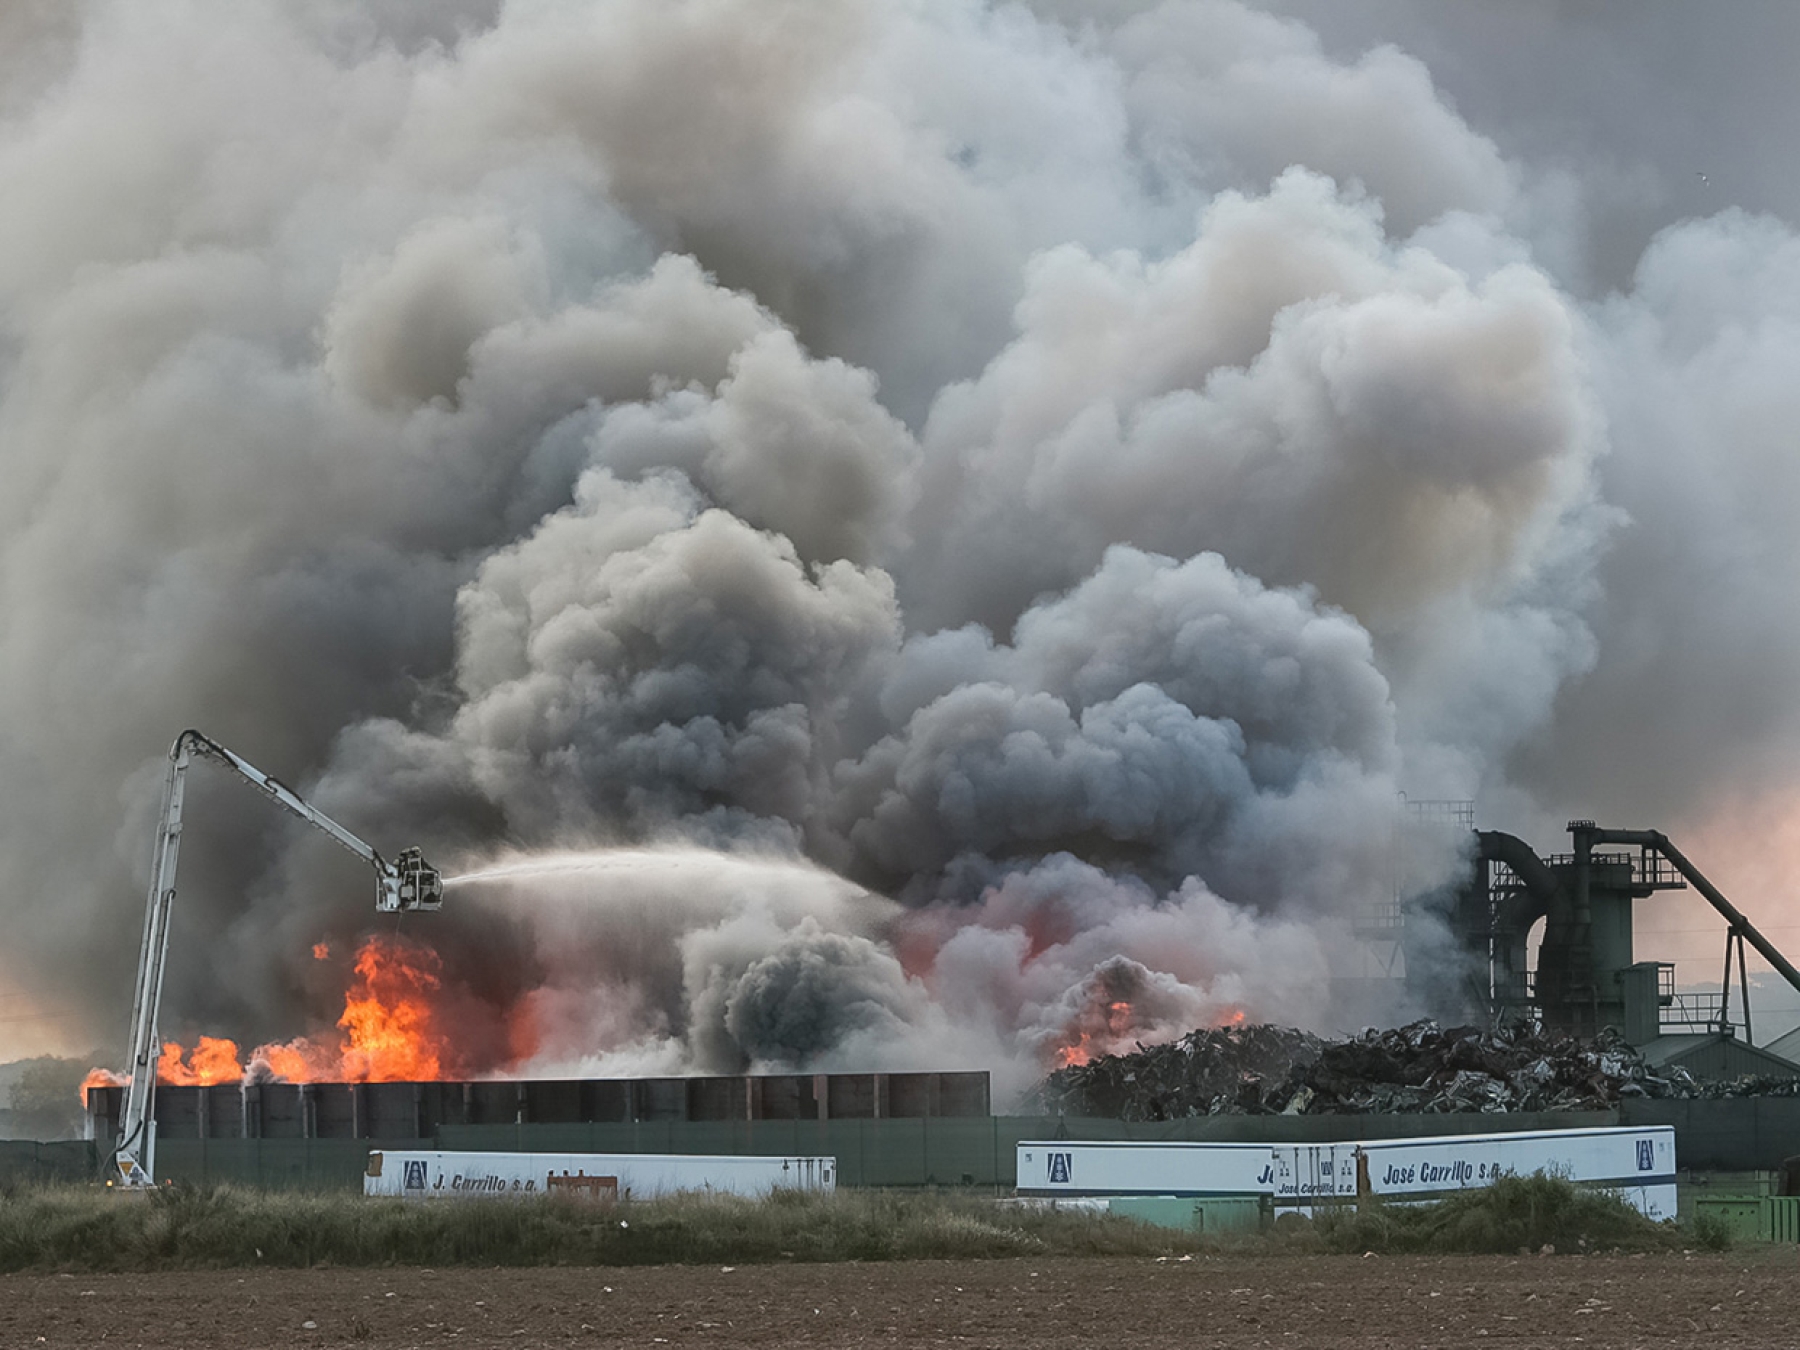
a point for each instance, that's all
(1587, 975)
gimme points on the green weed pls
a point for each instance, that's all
(1514, 1214)
(209, 1227)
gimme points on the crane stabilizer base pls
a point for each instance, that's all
(407, 883)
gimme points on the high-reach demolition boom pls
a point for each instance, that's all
(406, 883)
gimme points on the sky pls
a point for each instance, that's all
(990, 507)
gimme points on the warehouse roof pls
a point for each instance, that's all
(1712, 1055)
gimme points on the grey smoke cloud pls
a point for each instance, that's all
(1624, 119)
(1694, 363)
(1027, 489)
(1144, 713)
(803, 993)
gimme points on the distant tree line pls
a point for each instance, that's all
(45, 1100)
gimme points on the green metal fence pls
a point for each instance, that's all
(1754, 1218)
(64, 1160)
(272, 1164)
(1723, 1134)
(1783, 1222)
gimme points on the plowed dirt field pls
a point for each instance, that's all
(1741, 1299)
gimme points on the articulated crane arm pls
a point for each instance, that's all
(406, 883)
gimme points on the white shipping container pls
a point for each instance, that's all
(624, 1176)
(1105, 1168)
(1637, 1162)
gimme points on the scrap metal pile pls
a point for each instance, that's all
(1268, 1070)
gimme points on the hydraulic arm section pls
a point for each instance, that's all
(406, 883)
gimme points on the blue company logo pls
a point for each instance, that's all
(415, 1176)
(1059, 1168)
(1646, 1155)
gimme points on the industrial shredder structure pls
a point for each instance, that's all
(1587, 975)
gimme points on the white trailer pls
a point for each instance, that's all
(609, 1176)
(1639, 1163)
(1061, 1169)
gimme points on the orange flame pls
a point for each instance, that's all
(213, 1060)
(1106, 1035)
(101, 1078)
(392, 1029)
(321, 951)
(1086, 1046)
(388, 1020)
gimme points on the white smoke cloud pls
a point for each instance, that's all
(1064, 474)
(1191, 70)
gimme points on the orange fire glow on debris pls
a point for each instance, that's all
(1113, 1036)
(321, 951)
(1085, 1047)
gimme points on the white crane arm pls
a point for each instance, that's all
(274, 787)
(407, 883)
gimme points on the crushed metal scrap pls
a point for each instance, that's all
(1269, 1070)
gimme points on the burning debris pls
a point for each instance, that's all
(1268, 1070)
(1212, 1071)
(400, 1024)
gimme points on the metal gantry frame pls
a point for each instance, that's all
(1739, 931)
(1734, 937)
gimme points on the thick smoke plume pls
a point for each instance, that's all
(895, 536)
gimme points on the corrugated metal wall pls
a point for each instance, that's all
(419, 1110)
(1724, 1059)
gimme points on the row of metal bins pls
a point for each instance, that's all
(416, 1110)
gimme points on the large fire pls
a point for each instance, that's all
(391, 1028)
(394, 1028)
(405, 1020)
